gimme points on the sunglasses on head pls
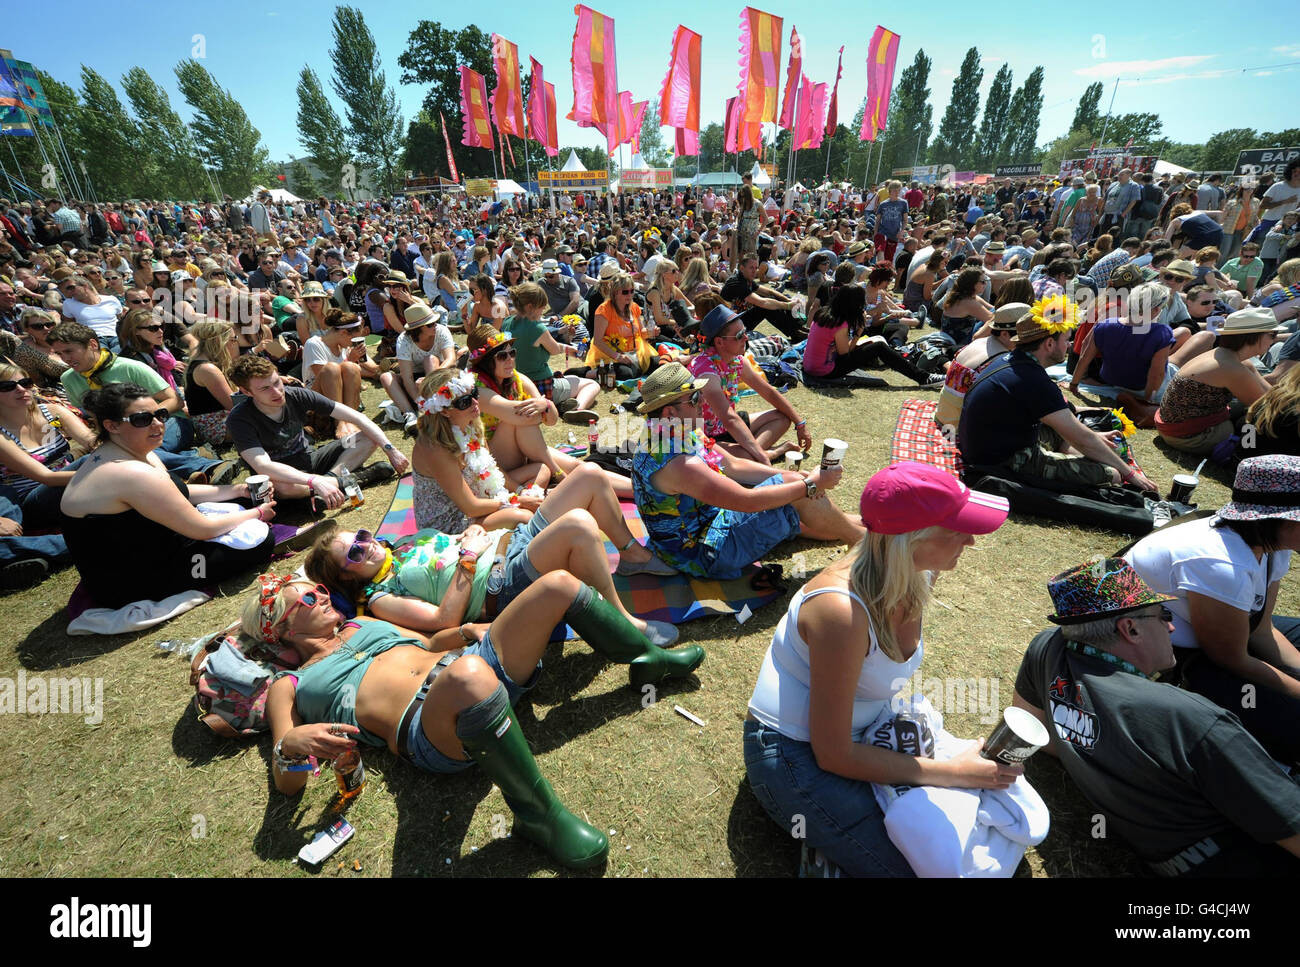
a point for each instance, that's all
(357, 552)
(144, 419)
(9, 385)
(466, 401)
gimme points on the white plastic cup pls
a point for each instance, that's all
(833, 453)
(259, 488)
(1018, 736)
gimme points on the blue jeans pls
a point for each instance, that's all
(176, 451)
(49, 547)
(839, 816)
(423, 753)
(519, 571)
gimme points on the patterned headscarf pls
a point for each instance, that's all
(271, 586)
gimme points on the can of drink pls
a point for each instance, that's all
(1183, 485)
(833, 453)
(259, 488)
(1018, 736)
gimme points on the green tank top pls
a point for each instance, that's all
(533, 361)
(425, 563)
(327, 690)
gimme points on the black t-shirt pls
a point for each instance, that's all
(1166, 766)
(250, 428)
(1003, 410)
(736, 290)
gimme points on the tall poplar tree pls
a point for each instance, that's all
(320, 131)
(955, 143)
(993, 128)
(374, 121)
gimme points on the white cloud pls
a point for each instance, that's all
(1172, 78)
(1288, 50)
(947, 72)
(1120, 68)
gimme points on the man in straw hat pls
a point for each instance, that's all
(709, 513)
(1015, 418)
(424, 346)
(1177, 777)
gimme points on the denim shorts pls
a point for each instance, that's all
(837, 815)
(737, 539)
(422, 753)
(519, 571)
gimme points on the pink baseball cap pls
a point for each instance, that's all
(911, 496)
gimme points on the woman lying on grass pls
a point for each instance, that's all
(439, 709)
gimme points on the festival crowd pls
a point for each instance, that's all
(174, 375)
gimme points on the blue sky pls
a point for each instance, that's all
(256, 50)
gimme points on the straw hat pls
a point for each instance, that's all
(1252, 319)
(667, 384)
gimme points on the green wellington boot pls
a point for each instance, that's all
(603, 627)
(500, 749)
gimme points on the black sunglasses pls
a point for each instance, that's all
(1164, 615)
(9, 385)
(142, 420)
(466, 401)
(503, 354)
(156, 327)
(39, 325)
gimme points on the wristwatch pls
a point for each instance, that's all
(389, 446)
(810, 487)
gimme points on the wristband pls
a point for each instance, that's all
(311, 484)
(464, 637)
(290, 763)
(801, 423)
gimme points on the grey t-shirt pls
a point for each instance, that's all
(560, 294)
(1166, 766)
(250, 428)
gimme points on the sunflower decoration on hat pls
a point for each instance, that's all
(1055, 314)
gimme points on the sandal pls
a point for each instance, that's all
(768, 577)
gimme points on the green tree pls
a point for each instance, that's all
(593, 159)
(223, 131)
(103, 122)
(908, 127)
(993, 128)
(374, 121)
(1062, 148)
(1142, 128)
(424, 153)
(433, 56)
(653, 148)
(713, 148)
(301, 182)
(1088, 114)
(955, 141)
(320, 131)
(171, 155)
(69, 115)
(1222, 148)
(1187, 155)
(1021, 140)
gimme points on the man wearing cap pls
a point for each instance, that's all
(561, 291)
(425, 345)
(723, 365)
(707, 512)
(1177, 777)
(991, 258)
(1014, 408)
(1176, 275)
(333, 259)
(267, 275)
(564, 259)
(1123, 253)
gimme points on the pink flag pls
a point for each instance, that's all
(760, 64)
(679, 96)
(595, 74)
(451, 161)
(638, 116)
(881, 55)
(541, 110)
(507, 98)
(811, 120)
(476, 123)
(833, 109)
(792, 75)
(687, 142)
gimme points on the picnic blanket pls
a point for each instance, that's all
(918, 437)
(676, 599)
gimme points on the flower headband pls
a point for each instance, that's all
(272, 585)
(449, 391)
(494, 341)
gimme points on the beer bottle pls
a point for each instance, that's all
(350, 772)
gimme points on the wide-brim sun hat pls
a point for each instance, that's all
(1253, 319)
(1106, 588)
(667, 384)
(313, 290)
(1265, 488)
(911, 496)
(1006, 316)
(421, 314)
(397, 278)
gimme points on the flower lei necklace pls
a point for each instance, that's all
(481, 470)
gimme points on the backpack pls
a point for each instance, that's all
(930, 353)
(230, 685)
(1149, 204)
